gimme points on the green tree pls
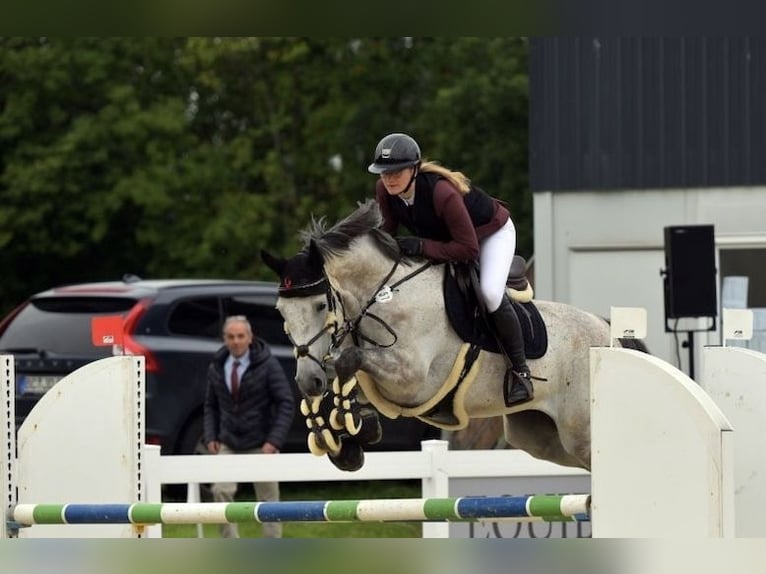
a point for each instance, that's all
(172, 157)
(90, 128)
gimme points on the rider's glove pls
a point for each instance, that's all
(410, 246)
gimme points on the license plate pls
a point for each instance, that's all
(37, 384)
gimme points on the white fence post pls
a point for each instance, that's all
(662, 451)
(734, 378)
(193, 496)
(436, 485)
(152, 484)
(110, 392)
(8, 426)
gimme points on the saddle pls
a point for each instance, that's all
(466, 313)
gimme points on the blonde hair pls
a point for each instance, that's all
(456, 178)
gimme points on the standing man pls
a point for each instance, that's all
(249, 409)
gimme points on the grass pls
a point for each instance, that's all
(347, 490)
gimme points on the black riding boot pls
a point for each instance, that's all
(518, 383)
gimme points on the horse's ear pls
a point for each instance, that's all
(315, 256)
(274, 263)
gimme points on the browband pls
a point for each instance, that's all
(316, 288)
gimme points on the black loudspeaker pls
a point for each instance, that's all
(690, 273)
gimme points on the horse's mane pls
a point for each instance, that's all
(365, 220)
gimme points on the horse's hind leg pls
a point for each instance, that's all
(536, 433)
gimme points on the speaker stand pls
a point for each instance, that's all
(689, 343)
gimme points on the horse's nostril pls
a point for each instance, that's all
(312, 386)
(319, 385)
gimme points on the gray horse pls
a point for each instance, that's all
(352, 303)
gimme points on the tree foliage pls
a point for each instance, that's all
(172, 157)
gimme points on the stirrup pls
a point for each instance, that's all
(517, 388)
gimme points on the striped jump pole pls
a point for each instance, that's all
(550, 508)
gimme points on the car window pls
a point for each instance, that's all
(61, 325)
(198, 317)
(267, 323)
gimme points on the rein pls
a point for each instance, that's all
(351, 326)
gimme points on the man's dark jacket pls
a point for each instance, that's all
(264, 409)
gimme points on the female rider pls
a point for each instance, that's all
(454, 221)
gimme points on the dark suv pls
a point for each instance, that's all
(176, 325)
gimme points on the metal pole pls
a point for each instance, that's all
(691, 354)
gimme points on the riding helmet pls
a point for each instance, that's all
(395, 152)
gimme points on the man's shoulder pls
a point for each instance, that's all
(219, 357)
(261, 355)
(260, 352)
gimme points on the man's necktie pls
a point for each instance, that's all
(235, 380)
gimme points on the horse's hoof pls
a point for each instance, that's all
(332, 443)
(350, 457)
(321, 440)
(371, 432)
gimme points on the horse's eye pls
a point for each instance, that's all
(321, 306)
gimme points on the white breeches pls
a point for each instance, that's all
(495, 256)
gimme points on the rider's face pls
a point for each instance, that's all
(398, 181)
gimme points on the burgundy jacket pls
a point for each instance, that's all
(451, 223)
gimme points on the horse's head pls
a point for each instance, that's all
(307, 306)
(307, 301)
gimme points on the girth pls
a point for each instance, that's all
(446, 408)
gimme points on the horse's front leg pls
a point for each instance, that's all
(348, 363)
(353, 411)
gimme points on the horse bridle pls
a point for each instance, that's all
(331, 324)
(352, 326)
(338, 332)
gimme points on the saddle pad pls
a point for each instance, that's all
(463, 314)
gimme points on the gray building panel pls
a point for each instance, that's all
(621, 113)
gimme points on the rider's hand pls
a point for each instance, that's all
(410, 246)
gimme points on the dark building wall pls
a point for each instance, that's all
(621, 113)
